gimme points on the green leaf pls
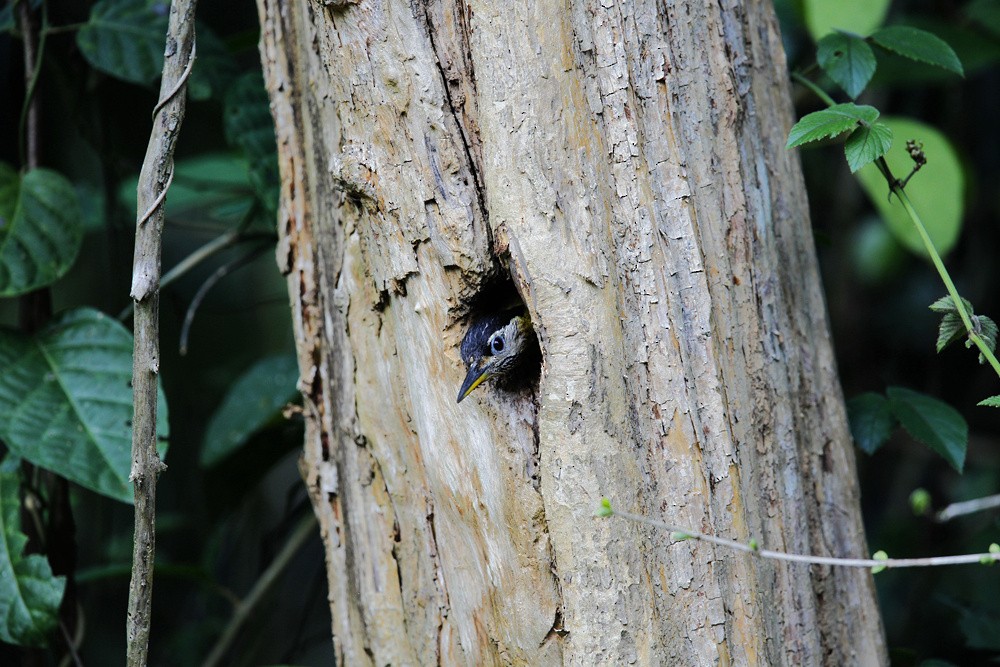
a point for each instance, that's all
(857, 16)
(126, 38)
(871, 420)
(848, 60)
(879, 555)
(932, 422)
(866, 144)
(937, 191)
(212, 188)
(66, 400)
(40, 230)
(918, 45)
(950, 330)
(829, 123)
(255, 399)
(947, 305)
(250, 127)
(604, 510)
(991, 402)
(29, 595)
(920, 502)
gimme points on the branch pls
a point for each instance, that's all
(967, 507)
(876, 564)
(305, 529)
(157, 171)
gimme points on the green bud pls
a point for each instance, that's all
(879, 555)
(920, 501)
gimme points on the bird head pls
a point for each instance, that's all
(493, 346)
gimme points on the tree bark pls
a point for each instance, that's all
(625, 163)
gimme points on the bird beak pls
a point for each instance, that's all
(476, 376)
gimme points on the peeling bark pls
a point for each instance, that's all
(624, 162)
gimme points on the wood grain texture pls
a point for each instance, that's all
(625, 162)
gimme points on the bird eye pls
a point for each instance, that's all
(496, 345)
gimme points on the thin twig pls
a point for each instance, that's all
(214, 246)
(209, 283)
(28, 125)
(967, 507)
(154, 179)
(683, 534)
(305, 529)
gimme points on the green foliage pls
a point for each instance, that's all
(125, 38)
(29, 594)
(866, 144)
(604, 510)
(952, 328)
(920, 502)
(934, 423)
(871, 420)
(848, 60)
(830, 122)
(857, 16)
(66, 400)
(254, 400)
(40, 229)
(991, 402)
(918, 45)
(210, 188)
(879, 555)
(937, 192)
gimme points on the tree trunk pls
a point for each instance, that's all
(624, 164)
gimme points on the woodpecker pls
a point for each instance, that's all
(494, 346)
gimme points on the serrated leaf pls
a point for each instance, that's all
(866, 144)
(29, 595)
(250, 127)
(126, 38)
(40, 230)
(937, 191)
(66, 400)
(848, 60)
(919, 45)
(829, 123)
(950, 330)
(947, 305)
(857, 16)
(932, 422)
(871, 421)
(255, 399)
(991, 402)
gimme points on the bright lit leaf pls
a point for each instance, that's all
(829, 123)
(937, 191)
(857, 16)
(866, 144)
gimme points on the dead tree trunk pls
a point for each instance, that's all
(623, 164)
